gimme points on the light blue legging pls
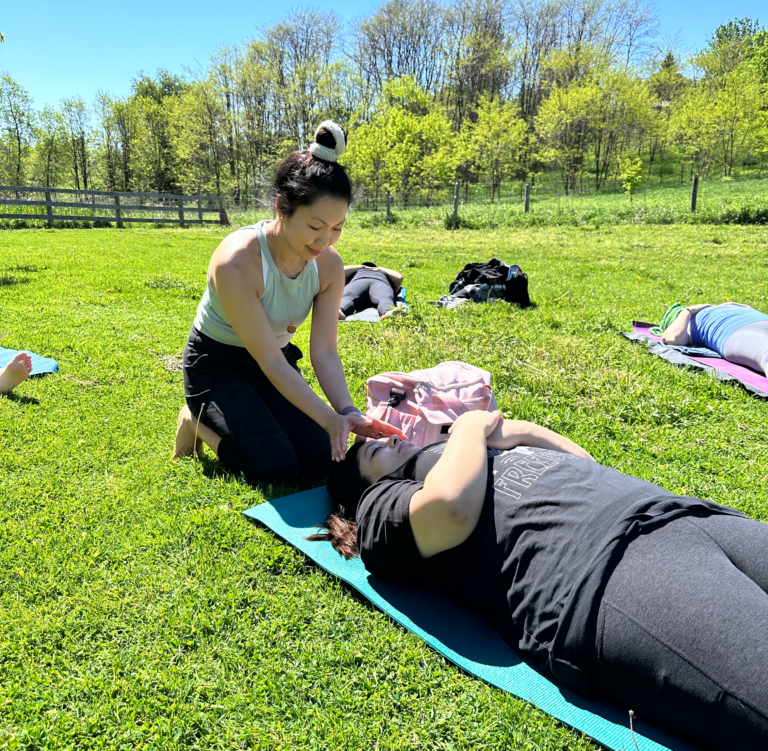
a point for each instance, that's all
(748, 346)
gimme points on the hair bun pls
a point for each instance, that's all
(328, 153)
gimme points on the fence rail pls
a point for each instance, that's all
(120, 211)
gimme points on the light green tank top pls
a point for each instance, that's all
(211, 321)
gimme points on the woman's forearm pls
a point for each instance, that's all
(330, 374)
(677, 331)
(297, 391)
(395, 278)
(460, 477)
(512, 433)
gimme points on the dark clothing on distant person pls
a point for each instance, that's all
(368, 288)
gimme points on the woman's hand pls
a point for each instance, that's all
(376, 428)
(339, 427)
(487, 420)
(509, 434)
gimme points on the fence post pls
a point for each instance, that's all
(527, 197)
(199, 206)
(223, 218)
(694, 192)
(118, 213)
(180, 204)
(389, 206)
(49, 208)
(455, 217)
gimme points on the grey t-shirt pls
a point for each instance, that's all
(551, 530)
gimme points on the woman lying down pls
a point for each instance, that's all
(736, 332)
(613, 585)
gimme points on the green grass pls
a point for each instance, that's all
(139, 609)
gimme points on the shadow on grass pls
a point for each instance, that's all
(14, 397)
(213, 469)
(8, 280)
(27, 269)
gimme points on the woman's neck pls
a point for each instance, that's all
(287, 260)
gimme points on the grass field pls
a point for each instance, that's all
(140, 610)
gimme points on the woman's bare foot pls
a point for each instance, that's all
(187, 444)
(398, 311)
(16, 371)
(342, 317)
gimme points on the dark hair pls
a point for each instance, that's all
(346, 485)
(301, 179)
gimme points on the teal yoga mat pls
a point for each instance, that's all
(40, 365)
(465, 638)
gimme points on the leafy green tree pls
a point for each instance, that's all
(198, 138)
(621, 116)
(155, 98)
(693, 129)
(630, 173)
(731, 44)
(738, 116)
(760, 54)
(77, 123)
(666, 87)
(563, 128)
(17, 121)
(401, 38)
(495, 141)
(49, 162)
(477, 57)
(106, 141)
(416, 152)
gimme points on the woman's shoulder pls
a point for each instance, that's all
(384, 534)
(329, 266)
(242, 246)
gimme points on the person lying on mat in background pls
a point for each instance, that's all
(615, 586)
(736, 332)
(369, 286)
(241, 377)
(15, 372)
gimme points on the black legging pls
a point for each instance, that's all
(263, 435)
(364, 293)
(682, 635)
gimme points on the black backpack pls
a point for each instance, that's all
(493, 272)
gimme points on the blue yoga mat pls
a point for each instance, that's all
(462, 636)
(40, 365)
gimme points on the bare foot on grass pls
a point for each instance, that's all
(186, 444)
(398, 311)
(342, 317)
(16, 371)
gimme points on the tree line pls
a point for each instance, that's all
(482, 91)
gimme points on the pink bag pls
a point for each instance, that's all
(425, 403)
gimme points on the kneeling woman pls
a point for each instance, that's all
(613, 585)
(256, 411)
(736, 332)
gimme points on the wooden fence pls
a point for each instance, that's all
(120, 208)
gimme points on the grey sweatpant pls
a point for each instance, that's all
(748, 345)
(682, 635)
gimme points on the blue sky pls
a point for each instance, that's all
(62, 48)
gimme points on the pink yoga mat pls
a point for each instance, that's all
(755, 382)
